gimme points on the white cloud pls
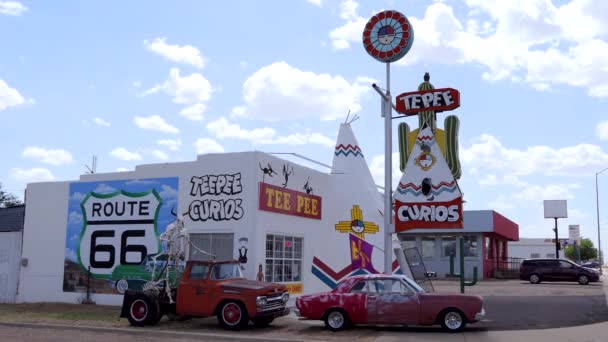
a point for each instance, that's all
(243, 64)
(534, 41)
(136, 84)
(205, 145)
(70, 254)
(75, 217)
(159, 154)
(48, 156)
(14, 8)
(489, 155)
(101, 122)
(155, 123)
(376, 167)
(317, 3)
(9, 96)
(168, 192)
(350, 32)
(221, 128)
(104, 189)
(32, 175)
(191, 89)
(172, 144)
(280, 91)
(501, 203)
(123, 154)
(536, 193)
(187, 54)
(194, 112)
(77, 196)
(602, 130)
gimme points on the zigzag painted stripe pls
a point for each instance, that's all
(356, 154)
(346, 150)
(417, 193)
(348, 147)
(418, 187)
(330, 278)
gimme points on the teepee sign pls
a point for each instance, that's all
(428, 196)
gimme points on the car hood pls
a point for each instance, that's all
(252, 285)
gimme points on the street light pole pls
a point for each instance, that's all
(597, 205)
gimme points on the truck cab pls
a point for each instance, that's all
(211, 288)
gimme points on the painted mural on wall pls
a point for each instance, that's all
(209, 198)
(113, 230)
(360, 250)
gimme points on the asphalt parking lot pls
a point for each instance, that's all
(519, 305)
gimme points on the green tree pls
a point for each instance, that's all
(8, 200)
(588, 252)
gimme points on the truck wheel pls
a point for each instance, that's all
(232, 315)
(262, 322)
(143, 310)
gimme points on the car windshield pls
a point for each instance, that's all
(226, 271)
(413, 284)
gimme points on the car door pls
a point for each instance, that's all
(551, 270)
(193, 291)
(568, 271)
(392, 303)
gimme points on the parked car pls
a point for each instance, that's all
(537, 270)
(134, 277)
(388, 299)
(592, 264)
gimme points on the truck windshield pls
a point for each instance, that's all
(226, 271)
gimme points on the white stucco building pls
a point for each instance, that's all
(527, 248)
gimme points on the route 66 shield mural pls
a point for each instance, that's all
(114, 230)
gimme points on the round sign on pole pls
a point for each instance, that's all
(388, 36)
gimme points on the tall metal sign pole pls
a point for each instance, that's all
(387, 37)
(556, 209)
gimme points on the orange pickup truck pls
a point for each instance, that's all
(209, 288)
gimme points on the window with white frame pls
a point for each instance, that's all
(408, 242)
(534, 255)
(428, 247)
(219, 244)
(283, 258)
(448, 246)
(470, 245)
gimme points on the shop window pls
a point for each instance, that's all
(534, 255)
(219, 244)
(470, 246)
(550, 255)
(283, 258)
(448, 246)
(408, 242)
(488, 247)
(428, 247)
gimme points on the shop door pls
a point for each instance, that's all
(10, 256)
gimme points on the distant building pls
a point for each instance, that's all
(527, 248)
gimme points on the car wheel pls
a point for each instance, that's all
(233, 315)
(121, 286)
(453, 320)
(143, 310)
(262, 322)
(336, 320)
(534, 279)
(583, 279)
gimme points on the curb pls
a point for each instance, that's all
(147, 332)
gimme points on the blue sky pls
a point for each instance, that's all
(142, 82)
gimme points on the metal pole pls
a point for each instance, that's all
(597, 205)
(388, 241)
(556, 241)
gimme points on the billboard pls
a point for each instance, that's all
(113, 231)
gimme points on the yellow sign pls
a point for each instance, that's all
(294, 288)
(357, 226)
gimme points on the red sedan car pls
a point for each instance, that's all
(389, 299)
